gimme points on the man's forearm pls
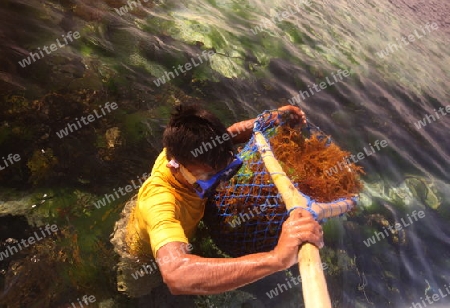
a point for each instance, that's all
(202, 276)
(242, 131)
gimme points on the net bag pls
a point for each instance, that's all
(246, 215)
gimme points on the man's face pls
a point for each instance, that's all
(205, 179)
(198, 172)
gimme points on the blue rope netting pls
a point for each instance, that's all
(246, 215)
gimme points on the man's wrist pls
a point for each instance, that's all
(240, 132)
(276, 262)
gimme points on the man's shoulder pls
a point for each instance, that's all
(154, 192)
(160, 162)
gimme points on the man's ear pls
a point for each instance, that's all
(173, 164)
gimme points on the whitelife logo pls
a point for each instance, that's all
(431, 118)
(410, 38)
(53, 47)
(108, 198)
(11, 158)
(243, 217)
(207, 54)
(355, 158)
(397, 226)
(295, 281)
(206, 146)
(153, 266)
(86, 300)
(295, 100)
(12, 249)
(264, 26)
(131, 5)
(90, 118)
(433, 298)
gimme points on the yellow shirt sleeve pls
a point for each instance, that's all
(162, 218)
(165, 212)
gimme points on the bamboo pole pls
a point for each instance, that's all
(314, 286)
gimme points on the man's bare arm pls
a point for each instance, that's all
(191, 274)
(242, 131)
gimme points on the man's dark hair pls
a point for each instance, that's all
(190, 138)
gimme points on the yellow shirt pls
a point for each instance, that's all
(165, 212)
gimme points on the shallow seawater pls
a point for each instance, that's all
(364, 72)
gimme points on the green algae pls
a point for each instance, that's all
(41, 165)
(134, 126)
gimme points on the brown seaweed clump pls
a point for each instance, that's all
(246, 216)
(321, 171)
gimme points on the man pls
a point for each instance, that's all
(169, 208)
